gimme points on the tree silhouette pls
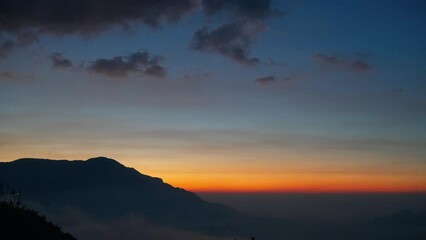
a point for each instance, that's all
(19, 223)
(9, 195)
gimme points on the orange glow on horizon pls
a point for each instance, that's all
(348, 189)
(296, 183)
(313, 177)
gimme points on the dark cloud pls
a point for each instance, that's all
(254, 9)
(58, 61)
(121, 66)
(354, 65)
(25, 20)
(87, 16)
(231, 39)
(266, 80)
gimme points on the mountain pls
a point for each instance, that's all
(105, 189)
(19, 223)
(124, 204)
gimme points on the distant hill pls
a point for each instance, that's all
(18, 223)
(106, 189)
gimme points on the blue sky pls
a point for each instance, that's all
(337, 87)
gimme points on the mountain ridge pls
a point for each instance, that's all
(105, 191)
(104, 188)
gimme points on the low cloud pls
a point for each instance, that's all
(357, 65)
(122, 66)
(84, 226)
(128, 228)
(58, 61)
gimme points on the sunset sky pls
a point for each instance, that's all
(291, 96)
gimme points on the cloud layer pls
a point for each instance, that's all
(23, 22)
(121, 66)
(253, 9)
(87, 16)
(357, 65)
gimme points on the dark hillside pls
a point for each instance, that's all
(106, 189)
(20, 223)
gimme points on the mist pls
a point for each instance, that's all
(329, 207)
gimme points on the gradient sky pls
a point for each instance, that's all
(221, 95)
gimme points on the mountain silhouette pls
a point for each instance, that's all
(106, 189)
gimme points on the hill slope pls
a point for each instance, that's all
(22, 224)
(104, 188)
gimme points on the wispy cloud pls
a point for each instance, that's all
(266, 80)
(59, 61)
(122, 66)
(357, 65)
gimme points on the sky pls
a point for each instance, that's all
(229, 96)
